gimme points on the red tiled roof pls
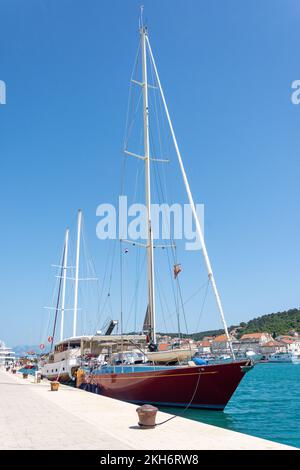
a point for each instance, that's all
(204, 344)
(220, 338)
(287, 341)
(254, 335)
(271, 344)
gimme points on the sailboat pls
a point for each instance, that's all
(63, 359)
(204, 386)
(70, 353)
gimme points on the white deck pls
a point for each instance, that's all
(33, 417)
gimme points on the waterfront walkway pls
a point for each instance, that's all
(33, 417)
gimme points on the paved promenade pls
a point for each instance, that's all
(33, 417)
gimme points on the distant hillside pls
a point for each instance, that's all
(196, 336)
(276, 324)
(279, 323)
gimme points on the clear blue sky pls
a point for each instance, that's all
(227, 69)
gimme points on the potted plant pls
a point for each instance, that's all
(54, 386)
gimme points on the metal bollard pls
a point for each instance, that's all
(38, 377)
(147, 415)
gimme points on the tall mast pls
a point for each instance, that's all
(192, 204)
(57, 302)
(63, 297)
(79, 220)
(150, 258)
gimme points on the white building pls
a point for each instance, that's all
(204, 347)
(273, 346)
(220, 344)
(291, 343)
(254, 341)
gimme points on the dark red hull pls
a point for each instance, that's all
(208, 386)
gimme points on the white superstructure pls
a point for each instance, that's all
(63, 361)
(292, 357)
(72, 353)
(7, 355)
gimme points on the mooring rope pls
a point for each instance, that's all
(186, 408)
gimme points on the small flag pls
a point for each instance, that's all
(177, 269)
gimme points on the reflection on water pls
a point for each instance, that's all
(266, 404)
(219, 418)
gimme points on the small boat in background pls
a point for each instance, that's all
(253, 355)
(28, 369)
(7, 355)
(296, 358)
(285, 357)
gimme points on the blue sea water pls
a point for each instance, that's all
(266, 404)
